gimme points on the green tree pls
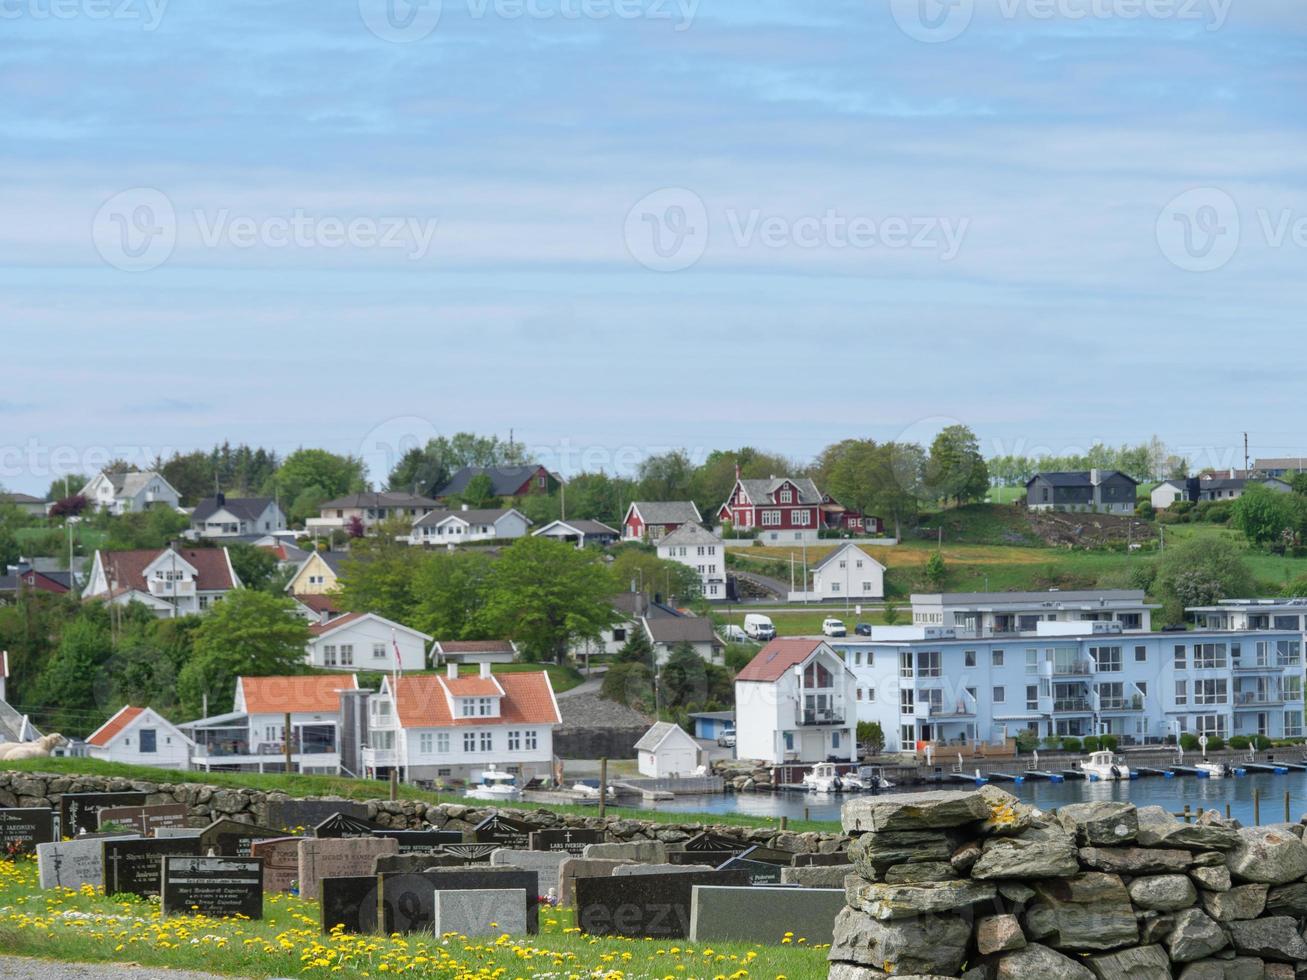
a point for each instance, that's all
(247, 633)
(683, 680)
(1200, 572)
(152, 528)
(665, 476)
(629, 684)
(63, 487)
(955, 469)
(378, 576)
(640, 564)
(871, 735)
(479, 492)
(255, 567)
(877, 479)
(711, 483)
(307, 503)
(332, 474)
(891, 614)
(935, 570)
(448, 591)
(67, 685)
(1299, 484)
(192, 475)
(428, 469)
(599, 497)
(547, 596)
(637, 649)
(1263, 515)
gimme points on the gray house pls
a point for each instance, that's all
(1101, 491)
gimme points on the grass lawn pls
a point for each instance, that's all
(88, 927)
(88, 538)
(562, 677)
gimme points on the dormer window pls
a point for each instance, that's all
(786, 496)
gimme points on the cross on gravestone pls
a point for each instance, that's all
(22, 828)
(340, 825)
(72, 864)
(569, 839)
(504, 831)
(78, 811)
(146, 820)
(134, 866)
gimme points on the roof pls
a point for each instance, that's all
(325, 603)
(475, 646)
(505, 481)
(842, 550)
(581, 527)
(667, 511)
(777, 657)
(473, 687)
(130, 484)
(761, 490)
(315, 694)
(20, 498)
(377, 500)
(1225, 483)
(1033, 598)
(658, 734)
(422, 701)
(714, 715)
(485, 515)
(320, 629)
(247, 508)
(1281, 463)
(126, 569)
(1078, 478)
(681, 629)
(107, 732)
(689, 534)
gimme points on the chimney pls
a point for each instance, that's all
(221, 499)
(485, 671)
(466, 507)
(324, 616)
(451, 671)
(1093, 477)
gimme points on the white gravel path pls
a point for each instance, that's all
(22, 968)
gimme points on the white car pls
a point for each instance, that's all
(834, 627)
(733, 634)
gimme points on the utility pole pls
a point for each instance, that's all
(286, 740)
(1245, 452)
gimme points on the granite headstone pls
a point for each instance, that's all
(480, 912)
(145, 820)
(407, 900)
(569, 839)
(133, 866)
(281, 862)
(22, 828)
(504, 831)
(302, 815)
(74, 863)
(350, 857)
(340, 825)
(79, 811)
(656, 906)
(233, 838)
(215, 886)
(350, 902)
(764, 915)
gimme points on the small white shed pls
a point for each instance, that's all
(667, 750)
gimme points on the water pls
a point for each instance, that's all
(1173, 794)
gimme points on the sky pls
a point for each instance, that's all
(616, 227)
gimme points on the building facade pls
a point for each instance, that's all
(171, 582)
(222, 517)
(365, 641)
(1101, 491)
(649, 520)
(984, 613)
(124, 493)
(140, 737)
(447, 529)
(847, 574)
(702, 552)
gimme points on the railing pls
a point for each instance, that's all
(165, 587)
(379, 757)
(1078, 669)
(312, 746)
(1258, 665)
(1258, 697)
(1132, 703)
(1071, 704)
(960, 710)
(828, 717)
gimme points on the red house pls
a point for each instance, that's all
(784, 508)
(650, 520)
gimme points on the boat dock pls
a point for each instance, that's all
(1278, 768)
(1006, 777)
(1052, 777)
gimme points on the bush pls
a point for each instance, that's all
(1027, 741)
(1108, 742)
(1071, 745)
(1215, 743)
(1240, 742)
(1189, 742)
(1260, 742)
(872, 736)
(1091, 743)
(1144, 510)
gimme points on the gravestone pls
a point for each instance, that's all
(413, 863)
(232, 838)
(351, 857)
(770, 855)
(179, 832)
(340, 825)
(656, 906)
(350, 902)
(480, 912)
(145, 820)
(74, 863)
(711, 858)
(417, 841)
(133, 866)
(764, 915)
(822, 860)
(715, 842)
(471, 852)
(569, 839)
(78, 811)
(760, 872)
(581, 867)
(407, 900)
(216, 886)
(504, 832)
(659, 869)
(544, 863)
(302, 815)
(22, 828)
(648, 851)
(281, 862)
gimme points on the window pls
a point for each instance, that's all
(1106, 659)
(378, 651)
(789, 741)
(871, 694)
(514, 741)
(786, 496)
(467, 707)
(1181, 692)
(1130, 621)
(1032, 697)
(530, 740)
(1286, 622)
(149, 740)
(996, 658)
(487, 741)
(1111, 697)
(928, 663)
(905, 736)
(968, 658)
(835, 586)
(802, 517)
(859, 694)
(1210, 724)
(469, 741)
(1208, 656)
(383, 740)
(771, 518)
(1178, 662)
(1211, 690)
(619, 634)
(1000, 695)
(907, 702)
(1293, 724)
(857, 658)
(905, 663)
(1141, 655)
(866, 585)
(485, 707)
(834, 740)
(1287, 653)
(1293, 687)
(346, 654)
(426, 741)
(1032, 661)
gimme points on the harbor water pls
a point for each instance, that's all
(1171, 793)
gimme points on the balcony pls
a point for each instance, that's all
(1254, 699)
(1071, 706)
(1081, 668)
(374, 758)
(1257, 667)
(962, 710)
(1133, 703)
(819, 717)
(163, 587)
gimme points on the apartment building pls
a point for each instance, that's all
(1000, 613)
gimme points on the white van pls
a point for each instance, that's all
(759, 627)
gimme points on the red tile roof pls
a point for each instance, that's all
(319, 603)
(473, 687)
(126, 569)
(106, 733)
(476, 646)
(423, 701)
(311, 694)
(776, 658)
(318, 629)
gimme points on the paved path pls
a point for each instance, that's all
(591, 685)
(21, 968)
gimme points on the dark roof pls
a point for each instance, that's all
(505, 481)
(20, 498)
(246, 508)
(1078, 478)
(585, 527)
(678, 629)
(487, 515)
(667, 511)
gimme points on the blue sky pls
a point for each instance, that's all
(619, 226)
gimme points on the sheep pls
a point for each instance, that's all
(39, 749)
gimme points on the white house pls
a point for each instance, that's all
(668, 631)
(122, 493)
(703, 552)
(171, 582)
(140, 737)
(667, 750)
(447, 727)
(473, 652)
(579, 532)
(370, 508)
(231, 517)
(795, 702)
(847, 574)
(252, 736)
(1170, 492)
(448, 528)
(365, 641)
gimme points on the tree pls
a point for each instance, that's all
(152, 528)
(955, 469)
(448, 591)
(711, 483)
(255, 567)
(67, 486)
(666, 476)
(1200, 572)
(637, 649)
(547, 596)
(332, 475)
(1263, 514)
(877, 479)
(354, 527)
(871, 735)
(640, 564)
(891, 614)
(191, 475)
(67, 684)
(378, 574)
(69, 506)
(629, 684)
(479, 492)
(935, 569)
(428, 469)
(599, 497)
(1299, 484)
(247, 633)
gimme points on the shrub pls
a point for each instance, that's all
(1144, 510)
(1108, 742)
(1189, 742)
(1070, 745)
(1240, 742)
(1091, 743)
(1027, 741)
(1215, 743)
(1260, 742)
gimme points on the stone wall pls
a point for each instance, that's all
(982, 886)
(208, 803)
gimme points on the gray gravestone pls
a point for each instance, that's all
(645, 851)
(145, 820)
(350, 857)
(419, 841)
(480, 912)
(627, 870)
(407, 900)
(74, 863)
(545, 863)
(764, 915)
(22, 828)
(281, 862)
(350, 902)
(760, 872)
(653, 906)
(574, 868)
(133, 866)
(301, 816)
(215, 886)
(503, 831)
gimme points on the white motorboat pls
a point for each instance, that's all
(1104, 766)
(1214, 770)
(584, 792)
(495, 785)
(868, 779)
(822, 778)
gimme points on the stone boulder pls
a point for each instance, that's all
(1138, 963)
(1288, 900)
(1100, 824)
(1086, 913)
(1163, 893)
(1212, 879)
(1018, 857)
(886, 902)
(903, 874)
(1267, 856)
(1157, 828)
(1234, 904)
(998, 934)
(1040, 962)
(1236, 968)
(914, 811)
(1195, 936)
(1135, 860)
(1274, 938)
(874, 853)
(1008, 816)
(926, 944)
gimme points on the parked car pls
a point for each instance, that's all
(759, 627)
(862, 629)
(834, 627)
(733, 634)
(727, 739)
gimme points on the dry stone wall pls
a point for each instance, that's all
(982, 886)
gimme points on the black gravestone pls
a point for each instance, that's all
(710, 858)
(504, 831)
(79, 811)
(759, 872)
(471, 852)
(145, 819)
(340, 825)
(22, 828)
(568, 839)
(715, 842)
(217, 886)
(349, 902)
(418, 841)
(132, 867)
(770, 855)
(303, 814)
(636, 906)
(231, 838)
(408, 900)
(822, 860)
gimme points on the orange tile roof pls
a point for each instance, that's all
(106, 733)
(473, 687)
(317, 629)
(776, 658)
(316, 694)
(422, 701)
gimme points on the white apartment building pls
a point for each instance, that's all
(998, 613)
(703, 552)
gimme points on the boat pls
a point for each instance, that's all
(1104, 766)
(496, 785)
(585, 792)
(868, 779)
(822, 778)
(1214, 770)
